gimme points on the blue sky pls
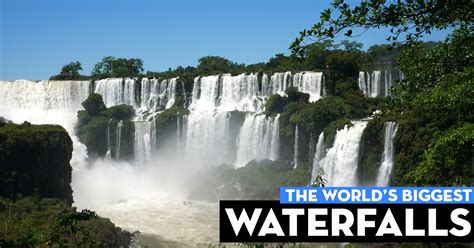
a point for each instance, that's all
(37, 37)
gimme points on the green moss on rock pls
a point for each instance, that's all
(34, 160)
(370, 151)
(97, 128)
(166, 124)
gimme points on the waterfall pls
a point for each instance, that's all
(258, 139)
(46, 102)
(156, 94)
(111, 90)
(184, 94)
(129, 92)
(170, 92)
(207, 136)
(117, 91)
(143, 145)
(311, 83)
(266, 90)
(363, 84)
(385, 170)
(240, 93)
(340, 162)
(109, 151)
(307, 82)
(118, 139)
(43, 95)
(149, 93)
(295, 149)
(279, 82)
(388, 83)
(374, 85)
(180, 132)
(318, 156)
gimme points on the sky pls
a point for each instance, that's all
(38, 37)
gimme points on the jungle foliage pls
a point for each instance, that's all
(97, 127)
(48, 222)
(34, 160)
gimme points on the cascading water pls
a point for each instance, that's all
(318, 156)
(109, 185)
(387, 82)
(340, 162)
(295, 149)
(374, 85)
(156, 94)
(46, 102)
(258, 139)
(143, 144)
(385, 170)
(240, 93)
(311, 83)
(180, 132)
(207, 127)
(307, 82)
(109, 146)
(278, 83)
(118, 139)
(111, 90)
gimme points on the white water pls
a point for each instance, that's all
(341, 160)
(157, 93)
(375, 84)
(311, 83)
(116, 91)
(307, 82)
(134, 194)
(108, 154)
(143, 141)
(295, 149)
(118, 140)
(46, 102)
(240, 93)
(259, 138)
(149, 198)
(318, 156)
(207, 138)
(385, 170)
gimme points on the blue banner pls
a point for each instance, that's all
(381, 195)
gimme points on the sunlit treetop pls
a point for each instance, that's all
(408, 20)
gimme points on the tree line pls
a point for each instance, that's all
(346, 57)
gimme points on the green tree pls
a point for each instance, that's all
(94, 104)
(117, 67)
(72, 69)
(215, 65)
(411, 18)
(69, 72)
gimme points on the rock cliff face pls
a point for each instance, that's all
(34, 160)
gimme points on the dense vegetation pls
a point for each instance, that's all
(36, 196)
(70, 72)
(97, 128)
(435, 109)
(111, 67)
(46, 222)
(34, 160)
(433, 104)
